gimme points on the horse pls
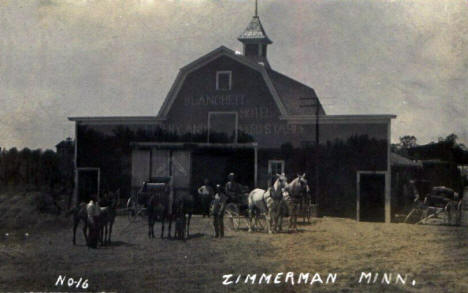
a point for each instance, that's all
(93, 211)
(160, 203)
(185, 202)
(268, 202)
(86, 213)
(166, 203)
(296, 190)
(107, 217)
(79, 215)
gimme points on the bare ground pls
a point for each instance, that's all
(436, 257)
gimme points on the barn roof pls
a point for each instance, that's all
(400, 161)
(298, 98)
(291, 96)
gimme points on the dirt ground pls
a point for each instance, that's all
(435, 257)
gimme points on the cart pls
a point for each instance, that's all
(237, 211)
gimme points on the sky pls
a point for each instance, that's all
(61, 58)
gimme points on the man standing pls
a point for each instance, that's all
(232, 188)
(206, 196)
(217, 208)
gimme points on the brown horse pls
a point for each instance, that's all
(79, 215)
(160, 203)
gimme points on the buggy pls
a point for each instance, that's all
(442, 201)
(238, 209)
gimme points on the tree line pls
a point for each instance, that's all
(34, 169)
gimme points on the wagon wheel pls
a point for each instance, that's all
(232, 212)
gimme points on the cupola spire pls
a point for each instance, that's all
(255, 40)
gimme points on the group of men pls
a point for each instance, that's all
(214, 201)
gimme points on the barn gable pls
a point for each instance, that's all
(207, 59)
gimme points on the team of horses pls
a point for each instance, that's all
(270, 202)
(169, 206)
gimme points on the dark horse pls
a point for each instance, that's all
(167, 204)
(79, 215)
(159, 204)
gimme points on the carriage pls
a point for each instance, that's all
(237, 210)
(137, 202)
(440, 201)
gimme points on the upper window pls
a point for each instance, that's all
(275, 166)
(223, 80)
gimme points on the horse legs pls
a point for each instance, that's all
(169, 228)
(163, 217)
(102, 233)
(269, 221)
(249, 222)
(110, 231)
(150, 224)
(188, 224)
(85, 228)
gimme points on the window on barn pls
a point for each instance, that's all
(275, 166)
(223, 80)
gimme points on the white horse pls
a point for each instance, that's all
(93, 210)
(267, 202)
(296, 191)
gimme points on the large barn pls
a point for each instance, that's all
(232, 112)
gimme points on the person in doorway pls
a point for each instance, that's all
(206, 194)
(217, 208)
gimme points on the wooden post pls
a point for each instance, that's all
(150, 164)
(358, 196)
(388, 177)
(255, 166)
(75, 195)
(317, 147)
(98, 184)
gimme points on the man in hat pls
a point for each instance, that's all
(217, 209)
(232, 188)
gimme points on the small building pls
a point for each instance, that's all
(230, 112)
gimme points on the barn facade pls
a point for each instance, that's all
(230, 112)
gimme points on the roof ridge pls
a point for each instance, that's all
(290, 78)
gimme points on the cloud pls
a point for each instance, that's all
(63, 58)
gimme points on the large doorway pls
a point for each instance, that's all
(216, 164)
(371, 197)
